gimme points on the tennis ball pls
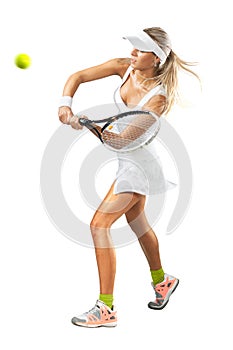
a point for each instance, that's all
(22, 61)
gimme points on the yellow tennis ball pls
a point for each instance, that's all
(22, 61)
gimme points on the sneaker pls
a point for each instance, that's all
(99, 315)
(163, 292)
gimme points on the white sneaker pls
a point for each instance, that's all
(99, 316)
(163, 291)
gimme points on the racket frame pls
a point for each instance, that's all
(90, 124)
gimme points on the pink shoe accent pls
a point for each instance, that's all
(99, 315)
(163, 292)
(163, 287)
(105, 317)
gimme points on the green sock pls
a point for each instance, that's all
(157, 276)
(107, 299)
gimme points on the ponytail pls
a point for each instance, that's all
(167, 73)
(168, 77)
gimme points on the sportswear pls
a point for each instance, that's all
(163, 292)
(140, 171)
(99, 316)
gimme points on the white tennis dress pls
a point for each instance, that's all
(139, 171)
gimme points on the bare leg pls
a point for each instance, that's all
(146, 236)
(112, 207)
(150, 247)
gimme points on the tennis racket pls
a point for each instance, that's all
(125, 132)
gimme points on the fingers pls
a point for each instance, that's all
(65, 114)
(74, 122)
(66, 117)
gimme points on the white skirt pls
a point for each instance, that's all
(141, 172)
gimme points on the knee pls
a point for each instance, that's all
(99, 226)
(138, 223)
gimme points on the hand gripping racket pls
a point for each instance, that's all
(125, 132)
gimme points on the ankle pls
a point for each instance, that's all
(107, 299)
(157, 276)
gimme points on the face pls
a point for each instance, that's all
(143, 60)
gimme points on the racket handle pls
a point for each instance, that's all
(83, 121)
(93, 128)
(89, 125)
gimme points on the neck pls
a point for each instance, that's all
(145, 78)
(146, 74)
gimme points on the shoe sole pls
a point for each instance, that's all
(154, 306)
(108, 325)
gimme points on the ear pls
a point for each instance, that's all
(157, 61)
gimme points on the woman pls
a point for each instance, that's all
(149, 81)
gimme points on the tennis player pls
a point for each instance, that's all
(149, 81)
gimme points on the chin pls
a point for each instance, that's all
(133, 65)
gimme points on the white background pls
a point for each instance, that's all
(45, 278)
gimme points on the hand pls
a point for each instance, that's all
(65, 114)
(74, 122)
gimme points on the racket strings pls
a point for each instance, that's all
(130, 132)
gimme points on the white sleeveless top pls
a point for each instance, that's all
(139, 171)
(157, 90)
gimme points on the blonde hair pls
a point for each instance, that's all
(167, 73)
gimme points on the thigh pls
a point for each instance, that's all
(114, 206)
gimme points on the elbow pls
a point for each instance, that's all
(75, 79)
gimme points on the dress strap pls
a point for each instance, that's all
(127, 73)
(157, 90)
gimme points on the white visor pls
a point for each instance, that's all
(143, 42)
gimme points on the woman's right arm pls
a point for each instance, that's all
(115, 66)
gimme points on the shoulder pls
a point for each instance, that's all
(158, 101)
(115, 66)
(157, 104)
(120, 65)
